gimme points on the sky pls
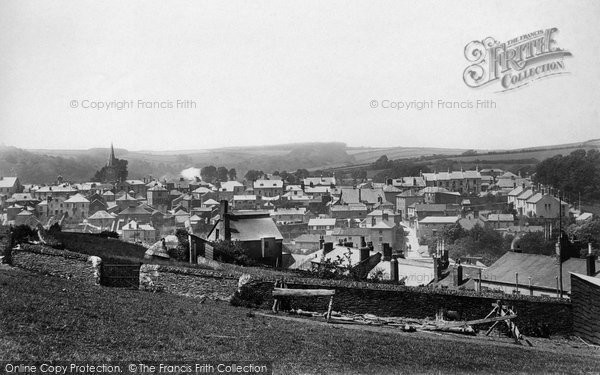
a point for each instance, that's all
(181, 75)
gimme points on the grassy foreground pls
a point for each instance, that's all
(46, 318)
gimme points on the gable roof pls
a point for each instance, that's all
(367, 195)
(439, 220)
(253, 228)
(77, 198)
(8, 182)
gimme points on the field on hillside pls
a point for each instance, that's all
(45, 318)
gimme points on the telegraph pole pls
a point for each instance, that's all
(559, 246)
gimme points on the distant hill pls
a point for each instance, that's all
(43, 166)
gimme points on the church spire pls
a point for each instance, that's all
(111, 158)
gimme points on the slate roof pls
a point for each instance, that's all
(8, 182)
(439, 220)
(542, 269)
(368, 195)
(101, 215)
(77, 198)
(321, 222)
(254, 228)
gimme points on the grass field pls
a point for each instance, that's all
(45, 318)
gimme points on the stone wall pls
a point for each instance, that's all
(190, 282)
(537, 316)
(585, 294)
(5, 245)
(61, 263)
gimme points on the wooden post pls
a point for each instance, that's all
(329, 308)
(530, 288)
(517, 282)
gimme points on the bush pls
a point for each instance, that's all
(232, 252)
(23, 234)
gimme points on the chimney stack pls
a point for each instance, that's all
(225, 218)
(457, 275)
(394, 269)
(362, 241)
(387, 252)
(590, 262)
(327, 247)
(365, 252)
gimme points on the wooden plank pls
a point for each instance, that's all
(302, 292)
(478, 321)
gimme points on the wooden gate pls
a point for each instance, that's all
(124, 275)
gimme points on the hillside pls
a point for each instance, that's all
(43, 166)
(52, 319)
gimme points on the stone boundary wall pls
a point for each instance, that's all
(189, 282)
(60, 263)
(537, 316)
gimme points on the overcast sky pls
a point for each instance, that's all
(269, 72)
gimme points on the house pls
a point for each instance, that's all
(135, 213)
(439, 195)
(546, 206)
(133, 187)
(321, 225)
(319, 181)
(422, 210)
(245, 202)
(102, 220)
(135, 232)
(464, 182)
(535, 274)
(360, 260)
(310, 242)
(256, 232)
(409, 184)
(499, 221)
(413, 272)
(77, 208)
(289, 215)
(10, 185)
(406, 199)
(158, 198)
(368, 196)
(355, 211)
(268, 188)
(431, 226)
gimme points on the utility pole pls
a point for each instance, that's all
(559, 245)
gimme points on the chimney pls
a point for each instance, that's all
(225, 217)
(385, 216)
(457, 275)
(387, 252)
(321, 242)
(436, 270)
(590, 261)
(394, 269)
(373, 221)
(362, 241)
(365, 252)
(370, 245)
(327, 247)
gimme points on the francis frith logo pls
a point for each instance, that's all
(514, 63)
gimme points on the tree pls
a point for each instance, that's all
(301, 174)
(574, 174)
(208, 173)
(586, 232)
(222, 174)
(253, 175)
(381, 163)
(232, 174)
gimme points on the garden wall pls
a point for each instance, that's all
(537, 316)
(190, 282)
(61, 263)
